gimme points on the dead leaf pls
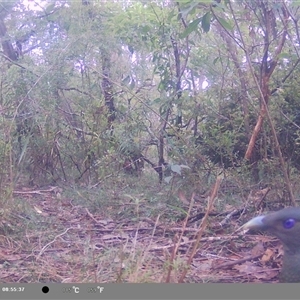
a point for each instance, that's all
(183, 198)
(247, 268)
(37, 210)
(256, 271)
(267, 256)
(204, 266)
(257, 249)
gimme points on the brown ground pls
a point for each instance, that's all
(54, 238)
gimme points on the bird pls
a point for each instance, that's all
(285, 225)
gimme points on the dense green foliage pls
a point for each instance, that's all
(176, 87)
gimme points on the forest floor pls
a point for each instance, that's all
(127, 234)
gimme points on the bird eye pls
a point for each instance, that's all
(289, 223)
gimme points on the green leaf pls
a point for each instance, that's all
(216, 60)
(132, 84)
(206, 22)
(184, 167)
(219, 5)
(157, 100)
(176, 169)
(50, 8)
(284, 55)
(225, 24)
(168, 179)
(189, 9)
(146, 29)
(191, 27)
(126, 80)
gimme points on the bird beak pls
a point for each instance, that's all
(255, 224)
